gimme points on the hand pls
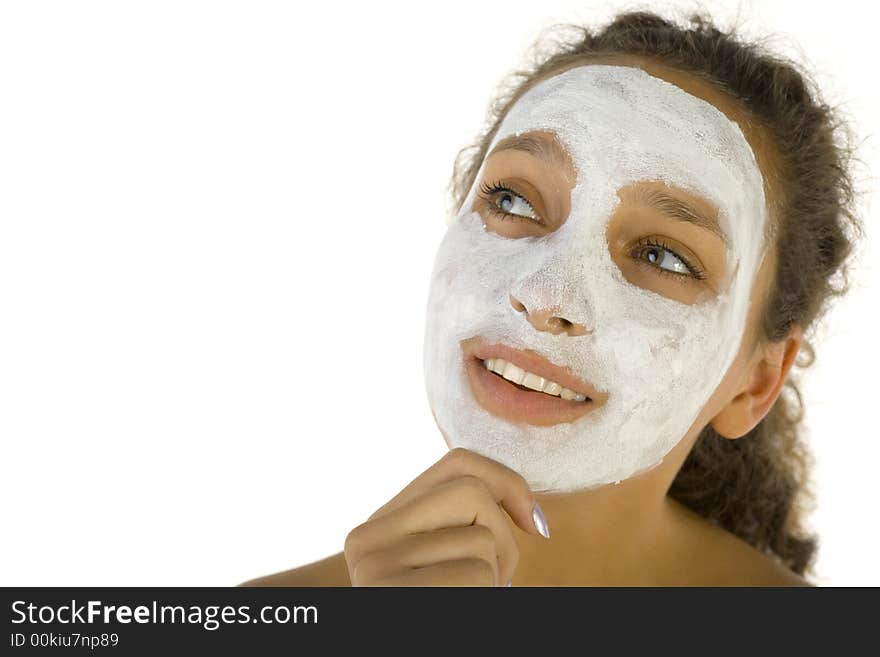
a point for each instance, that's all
(446, 528)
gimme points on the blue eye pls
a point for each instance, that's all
(666, 260)
(507, 204)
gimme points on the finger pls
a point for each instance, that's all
(456, 503)
(508, 488)
(461, 572)
(428, 548)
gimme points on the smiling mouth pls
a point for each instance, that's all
(523, 386)
(515, 402)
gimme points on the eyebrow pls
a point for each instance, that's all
(680, 210)
(547, 149)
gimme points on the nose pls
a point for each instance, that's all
(545, 319)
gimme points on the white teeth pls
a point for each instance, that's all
(534, 381)
(513, 373)
(530, 380)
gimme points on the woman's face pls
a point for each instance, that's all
(595, 286)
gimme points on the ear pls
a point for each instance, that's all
(762, 386)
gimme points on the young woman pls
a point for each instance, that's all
(652, 220)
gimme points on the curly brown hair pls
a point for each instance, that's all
(755, 487)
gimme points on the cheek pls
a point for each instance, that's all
(657, 356)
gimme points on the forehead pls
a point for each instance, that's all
(623, 125)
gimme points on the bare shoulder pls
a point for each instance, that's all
(712, 556)
(330, 571)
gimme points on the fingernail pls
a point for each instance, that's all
(540, 521)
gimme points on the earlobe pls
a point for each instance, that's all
(761, 389)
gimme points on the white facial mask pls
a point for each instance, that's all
(659, 360)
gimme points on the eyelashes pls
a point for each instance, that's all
(650, 245)
(489, 191)
(650, 252)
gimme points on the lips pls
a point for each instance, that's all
(514, 403)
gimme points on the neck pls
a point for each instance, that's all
(607, 536)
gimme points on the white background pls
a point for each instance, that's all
(217, 224)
